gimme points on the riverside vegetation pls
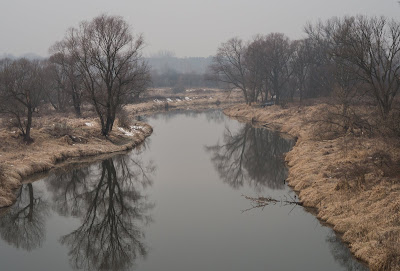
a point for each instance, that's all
(335, 90)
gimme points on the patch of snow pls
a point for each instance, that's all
(169, 100)
(136, 127)
(125, 132)
(89, 124)
(187, 99)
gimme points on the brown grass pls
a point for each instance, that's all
(56, 139)
(198, 99)
(352, 181)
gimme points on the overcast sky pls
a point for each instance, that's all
(186, 27)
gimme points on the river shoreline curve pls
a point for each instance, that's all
(52, 147)
(364, 211)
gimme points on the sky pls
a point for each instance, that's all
(188, 28)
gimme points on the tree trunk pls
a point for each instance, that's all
(77, 104)
(31, 202)
(27, 136)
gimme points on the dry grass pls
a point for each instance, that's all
(353, 181)
(56, 138)
(164, 100)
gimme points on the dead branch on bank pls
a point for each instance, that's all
(261, 202)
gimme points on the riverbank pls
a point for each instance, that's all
(56, 139)
(160, 100)
(60, 136)
(351, 181)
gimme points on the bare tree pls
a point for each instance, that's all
(110, 62)
(56, 94)
(67, 81)
(301, 64)
(229, 66)
(279, 53)
(21, 91)
(258, 68)
(370, 48)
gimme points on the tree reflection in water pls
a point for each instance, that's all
(110, 202)
(253, 156)
(23, 225)
(342, 255)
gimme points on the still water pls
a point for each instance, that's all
(175, 203)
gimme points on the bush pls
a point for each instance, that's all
(124, 119)
(60, 129)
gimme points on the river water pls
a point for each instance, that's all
(174, 203)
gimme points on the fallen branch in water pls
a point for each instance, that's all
(261, 202)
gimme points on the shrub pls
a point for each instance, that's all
(124, 119)
(60, 129)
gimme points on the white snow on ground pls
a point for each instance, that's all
(125, 132)
(169, 100)
(137, 127)
(89, 124)
(187, 99)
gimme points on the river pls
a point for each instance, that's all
(174, 203)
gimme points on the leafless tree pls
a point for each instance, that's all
(56, 94)
(279, 53)
(301, 64)
(109, 60)
(21, 90)
(229, 66)
(370, 48)
(67, 81)
(258, 68)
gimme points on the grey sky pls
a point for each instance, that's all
(186, 27)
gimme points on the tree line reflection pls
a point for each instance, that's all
(253, 156)
(23, 225)
(108, 198)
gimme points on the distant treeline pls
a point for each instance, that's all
(179, 73)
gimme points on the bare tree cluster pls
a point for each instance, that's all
(22, 85)
(345, 58)
(261, 68)
(99, 62)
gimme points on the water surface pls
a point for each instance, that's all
(175, 203)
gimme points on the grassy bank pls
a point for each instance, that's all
(161, 100)
(351, 181)
(56, 139)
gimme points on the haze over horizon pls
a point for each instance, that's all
(186, 27)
